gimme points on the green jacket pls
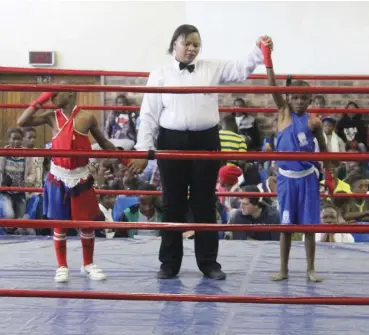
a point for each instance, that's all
(131, 214)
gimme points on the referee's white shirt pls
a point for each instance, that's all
(192, 112)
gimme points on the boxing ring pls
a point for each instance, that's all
(134, 301)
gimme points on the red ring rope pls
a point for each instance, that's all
(221, 109)
(207, 227)
(311, 228)
(94, 73)
(181, 90)
(184, 155)
(358, 301)
(221, 194)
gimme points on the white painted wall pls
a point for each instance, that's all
(310, 37)
(110, 35)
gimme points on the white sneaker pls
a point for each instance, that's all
(62, 275)
(93, 272)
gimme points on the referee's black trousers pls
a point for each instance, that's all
(199, 177)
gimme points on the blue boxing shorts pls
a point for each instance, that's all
(299, 199)
(64, 203)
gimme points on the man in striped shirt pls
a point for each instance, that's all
(230, 140)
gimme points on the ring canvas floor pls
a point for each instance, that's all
(131, 266)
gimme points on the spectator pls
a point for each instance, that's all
(35, 174)
(230, 140)
(248, 127)
(351, 128)
(121, 124)
(29, 138)
(269, 167)
(251, 174)
(357, 209)
(340, 204)
(45, 168)
(329, 215)
(255, 211)
(6, 205)
(350, 168)
(270, 142)
(334, 142)
(6, 212)
(106, 204)
(16, 168)
(147, 210)
(318, 102)
(35, 178)
(228, 177)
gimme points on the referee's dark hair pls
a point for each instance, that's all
(183, 30)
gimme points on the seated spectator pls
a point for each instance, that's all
(34, 178)
(340, 205)
(357, 209)
(121, 124)
(122, 202)
(45, 169)
(334, 142)
(248, 127)
(251, 174)
(29, 138)
(318, 102)
(228, 178)
(269, 144)
(329, 215)
(255, 211)
(349, 168)
(230, 140)
(105, 173)
(6, 206)
(147, 210)
(351, 128)
(106, 205)
(16, 168)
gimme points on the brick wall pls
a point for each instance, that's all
(255, 100)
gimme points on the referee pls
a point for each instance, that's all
(188, 122)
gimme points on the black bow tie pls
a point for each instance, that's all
(190, 68)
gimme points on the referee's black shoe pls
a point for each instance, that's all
(215, 274)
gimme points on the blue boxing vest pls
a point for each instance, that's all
(297, 137)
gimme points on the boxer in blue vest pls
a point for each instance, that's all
(298, 188)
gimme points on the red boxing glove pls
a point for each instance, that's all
(267, 54)
(44, 97)
(330, 181)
